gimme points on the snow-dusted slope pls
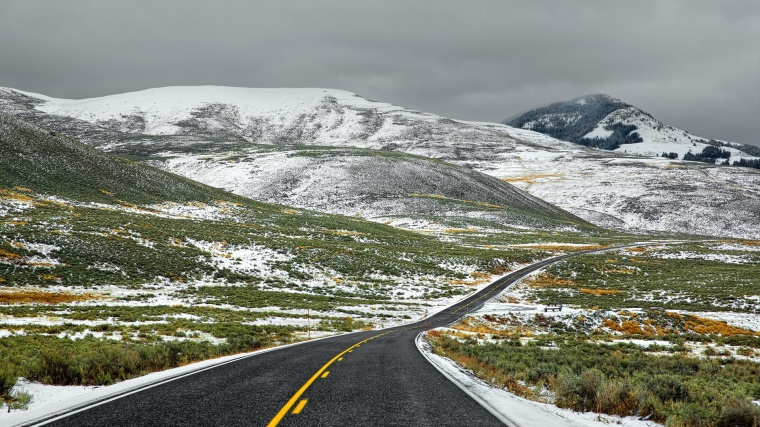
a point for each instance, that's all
(658, 138)
(374, 184)
(606, 122)
(269, 116)
(188, 130)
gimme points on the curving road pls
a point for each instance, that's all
(358, 379)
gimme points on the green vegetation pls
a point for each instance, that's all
(626, 352)
(92, 361)
(688, 277)
(619, 379)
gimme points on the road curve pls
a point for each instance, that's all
(364, 378)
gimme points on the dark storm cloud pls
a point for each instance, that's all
(693, 64)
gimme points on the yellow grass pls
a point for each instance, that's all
(346, 233)
(560, 247)
(33, 296)
(546, 280)
(704, 326)
(13, 195)
(460, 230)
(8, 255)
(600, 291)
(530, 179)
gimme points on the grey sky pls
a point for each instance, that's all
(694, 64)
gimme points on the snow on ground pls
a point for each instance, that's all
(637, 193)
(514, 410)
(720, 257)
(48, 400)
(657, 137)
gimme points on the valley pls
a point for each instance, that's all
(145, 231)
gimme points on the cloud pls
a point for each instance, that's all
(692, 63)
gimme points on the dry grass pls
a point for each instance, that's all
(546, 280)
(15, 195)
(470, 324)
(600, 291)
(8, 254)
(33, 296)
(704, 326)
(632, 327)
(530, 179)
(510, 299)
(560, 247)
(460, 230)
(346, 233)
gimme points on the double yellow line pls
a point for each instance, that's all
(322, 372)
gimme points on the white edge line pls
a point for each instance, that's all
(58, 414)
(484, 403)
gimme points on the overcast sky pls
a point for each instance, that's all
(693, 64)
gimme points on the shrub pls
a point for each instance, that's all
(8, 378)
(579, 392)
(739, 412)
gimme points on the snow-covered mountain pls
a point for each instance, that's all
(266, 116)
(605, 122)
(218, 136)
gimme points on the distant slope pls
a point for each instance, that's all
(368, 183)
(602, 121)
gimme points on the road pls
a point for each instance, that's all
(358, 379)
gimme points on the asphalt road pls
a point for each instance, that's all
(360, 379)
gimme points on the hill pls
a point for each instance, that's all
(602, 121)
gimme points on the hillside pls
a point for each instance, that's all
(376, 184)
(602, 121)
(55, 164)
(189, 129)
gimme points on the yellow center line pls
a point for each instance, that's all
(284, 411)
(300, 406)
(325, 374)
